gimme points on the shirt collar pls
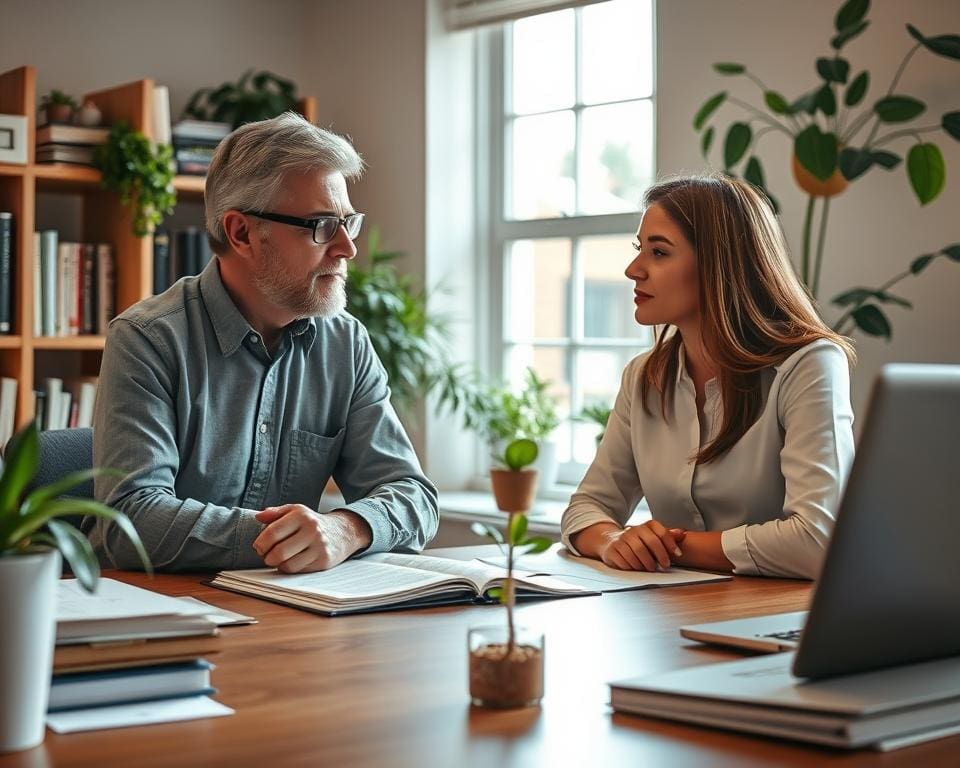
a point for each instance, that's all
(229, 324)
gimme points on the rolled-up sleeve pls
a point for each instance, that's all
(134, 432)
(611, 489)
(378, 471)
(817, 421)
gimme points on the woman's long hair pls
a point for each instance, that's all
(754, 310)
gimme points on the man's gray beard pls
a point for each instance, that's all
(280, 290)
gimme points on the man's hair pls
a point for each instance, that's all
(249, 166)
(755, 312)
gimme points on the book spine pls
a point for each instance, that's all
(105, 287)
(48, 279)
(6, 269)
(37, 282)
(161, 260)
(88, 324)
(76, 288)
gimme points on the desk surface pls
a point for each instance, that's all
(390, 689)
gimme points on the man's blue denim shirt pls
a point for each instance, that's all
(210, 428)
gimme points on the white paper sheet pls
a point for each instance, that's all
(221, 616)
(145, 713)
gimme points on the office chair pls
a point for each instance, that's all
(63, 451)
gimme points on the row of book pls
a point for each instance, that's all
(65, 404)
(194, 142)
(124, 646)
(178, 254)
(73, 144)
(73, 286)
(6, 271)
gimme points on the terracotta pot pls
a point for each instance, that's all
(813, 186)
(503, 679)
(59, 113)
(514, 490)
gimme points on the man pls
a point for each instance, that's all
(230, 399)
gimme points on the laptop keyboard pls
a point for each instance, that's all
(791, 634)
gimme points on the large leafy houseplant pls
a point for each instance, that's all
(253, 97)
(510, 672)
(33, 535)
(140, 173)
(830, 150)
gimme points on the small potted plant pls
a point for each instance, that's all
(58, 106)
(598, 414)
(506, 663)
(32, 540)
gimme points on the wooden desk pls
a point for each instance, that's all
(390, 689)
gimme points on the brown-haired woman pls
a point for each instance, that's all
(737, 426)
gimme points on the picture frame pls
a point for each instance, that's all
(13, 139)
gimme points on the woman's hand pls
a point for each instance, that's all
(640, 547)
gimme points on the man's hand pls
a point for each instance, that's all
(640, 547)
(297, 540)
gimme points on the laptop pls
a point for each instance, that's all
(889, 591)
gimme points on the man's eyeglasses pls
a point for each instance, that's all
(324, 227)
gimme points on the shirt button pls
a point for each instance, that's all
(254, 338)
(263, 429)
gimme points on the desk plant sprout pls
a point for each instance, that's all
(32, 538)
(506, 670)
(829, 151)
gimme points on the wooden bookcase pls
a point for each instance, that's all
(104, 219)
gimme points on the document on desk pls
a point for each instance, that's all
(592, 574)
(144, 713)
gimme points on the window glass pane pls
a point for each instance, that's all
(617, 51)
(542, 168)
(607, 294)
(543, 62)
(598, 375)
(538, 281)
(554, 365)
(617, 157)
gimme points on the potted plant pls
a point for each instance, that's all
(140, 173)
(506, 663)
(828, 151)
(58, 106)
(598, 414)
(252, 97)
(32, 540)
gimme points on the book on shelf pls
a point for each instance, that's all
(161, 114)
(389, 581)
(37, 293)
(130, 685)
(884, 709)
(200, 129)
(65, 153)
(161, 260)
(8, 409)
(57, 133)
(6, 271)
(106, 287)
(117, 611)
(48, 282)
(74, 289)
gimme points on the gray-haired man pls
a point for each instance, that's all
(231, 398)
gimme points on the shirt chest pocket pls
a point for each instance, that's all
(310, 463)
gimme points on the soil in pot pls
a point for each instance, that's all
(499, 679)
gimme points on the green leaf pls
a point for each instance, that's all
(951, 124)
(853, 296)
(952, 252)
(942, 45)
(826, 101)
(886, 159)
(817, 151)
(871, 320)
(59, 488)
(806, 103)
(850, 13)
(520, 453)
(898, 109)
(833, 70)
(921, 262)
(754, 172)
(706, 141)
(926, 170)
(482, 529)
(855, 162)
(537, 545)
(776, 103)
(857, 89)
(22, 461)
(738, 139)
(518, 528)
(497, 593)
(76, 550)
(709, 107)
(842, 38)
(729, 68)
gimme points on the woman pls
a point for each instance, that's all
(737, 425)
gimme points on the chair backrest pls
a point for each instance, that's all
(63, 451)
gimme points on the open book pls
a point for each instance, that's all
(389, 581)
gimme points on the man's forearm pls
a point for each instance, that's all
(356, 530)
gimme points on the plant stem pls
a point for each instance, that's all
(762, 116)
(905, 132)
(837, 326)
(511, 633)
(820, 240)
(896, 79)
(807, 224)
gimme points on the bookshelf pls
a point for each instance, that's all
(102, 219)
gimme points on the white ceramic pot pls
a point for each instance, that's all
(546, 465)
(28, 621)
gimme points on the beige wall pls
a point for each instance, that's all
(876, 227)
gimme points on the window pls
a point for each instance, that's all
(573, 149)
